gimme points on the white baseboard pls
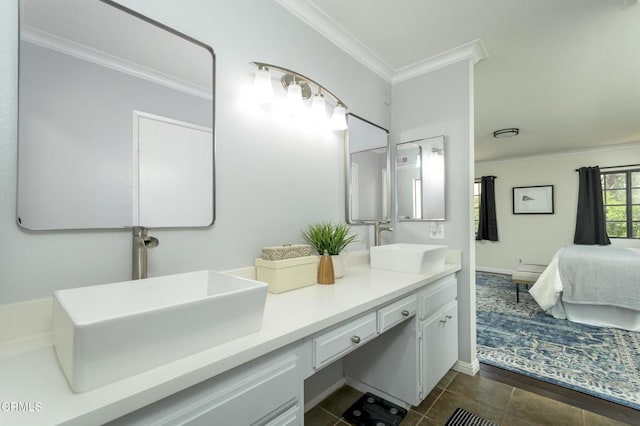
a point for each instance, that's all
(325, 393)
(494, 270)
(470, 369)
(363, 387)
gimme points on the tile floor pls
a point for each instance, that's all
(495, 401)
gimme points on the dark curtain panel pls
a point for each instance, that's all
(488, 225)
(590, 220)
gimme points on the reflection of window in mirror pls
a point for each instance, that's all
(385, 194)
(476, 205)
(355, 193)
(408, 181)
(417, 198)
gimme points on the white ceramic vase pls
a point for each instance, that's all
(338, 265)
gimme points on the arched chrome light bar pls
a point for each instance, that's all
(299, 87)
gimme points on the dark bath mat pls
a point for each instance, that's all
(371, 410)
(462, 417)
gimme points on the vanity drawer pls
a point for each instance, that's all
(342, 340)
(391, 315)
(437, 295)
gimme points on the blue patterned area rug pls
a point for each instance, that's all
(520, 337)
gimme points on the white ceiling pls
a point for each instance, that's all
(566, 72)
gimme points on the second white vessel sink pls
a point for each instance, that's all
(108, 332)
(411, 258)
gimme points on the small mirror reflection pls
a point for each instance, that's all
(115, 120)
(420, 179)
(367, 171)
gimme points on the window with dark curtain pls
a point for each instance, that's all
(488, 224)
(590, 218)
(476, 205)
(621, 196)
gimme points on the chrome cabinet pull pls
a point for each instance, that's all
(355, 339)
(405, 313)
(446, 319)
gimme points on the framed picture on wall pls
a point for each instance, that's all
(533, 199)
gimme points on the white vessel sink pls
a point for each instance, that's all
(411, 258)
(108, 332)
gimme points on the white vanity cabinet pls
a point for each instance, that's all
(394, 333)
(404, 364)
(438, 333)
(266, 391)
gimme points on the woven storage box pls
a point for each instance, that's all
(288, 251)
(287, 274)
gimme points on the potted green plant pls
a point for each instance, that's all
(332, 239)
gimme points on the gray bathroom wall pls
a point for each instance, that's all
(273, 177)
(441, 103)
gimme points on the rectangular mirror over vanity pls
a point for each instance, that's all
(367, 172)
(420, 179)
(116, 120)
(419, 172)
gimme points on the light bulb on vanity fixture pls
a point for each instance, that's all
(262, 87)
(339, 118)
(319, 108)
(298, 89)
(294, 97)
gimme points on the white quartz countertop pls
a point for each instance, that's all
(34, 379)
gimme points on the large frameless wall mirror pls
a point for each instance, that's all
(116, 120)
(420, 179)
(367, 171)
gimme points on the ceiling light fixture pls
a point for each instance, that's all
(506, 133)
(299, 88)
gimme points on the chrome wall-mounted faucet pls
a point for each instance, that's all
(378, 228)
(141, 242)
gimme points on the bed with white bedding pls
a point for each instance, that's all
(597, 285)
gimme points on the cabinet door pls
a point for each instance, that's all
(439, 346)
(389, 363)
(264, 391)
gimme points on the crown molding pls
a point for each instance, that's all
(312, 15)
(474, 50)
(86, 53)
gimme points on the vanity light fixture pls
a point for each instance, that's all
(299, 88)
(506, 133)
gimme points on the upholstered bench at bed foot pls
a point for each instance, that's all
(526, 274)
